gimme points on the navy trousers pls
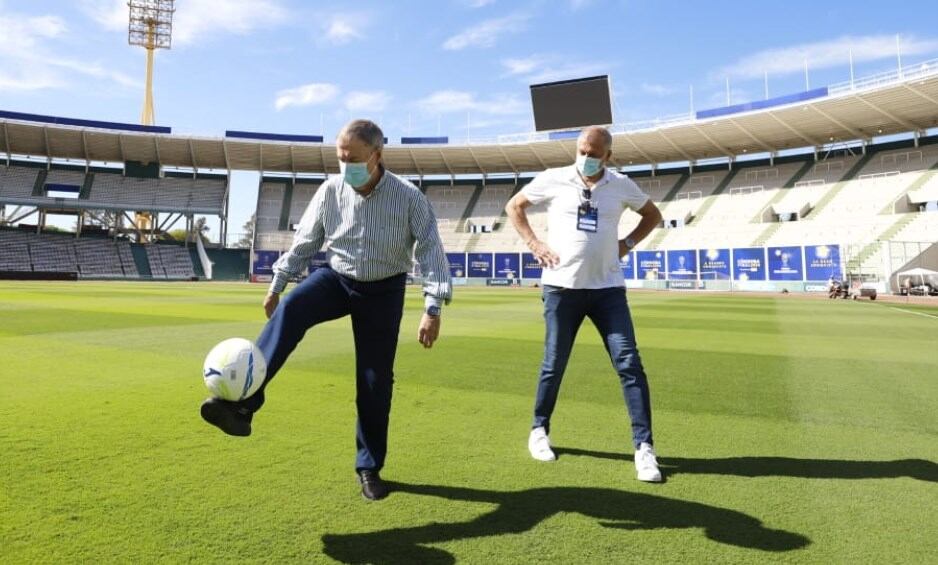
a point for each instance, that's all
(376, 309)
(564, 311)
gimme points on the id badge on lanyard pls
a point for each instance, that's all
(587, 218)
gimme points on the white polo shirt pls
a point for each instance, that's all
(587, 260)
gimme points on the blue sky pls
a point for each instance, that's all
(423, 68)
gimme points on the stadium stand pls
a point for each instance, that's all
(170, 262)
(27, 185)
(847, 198)
(89, 257)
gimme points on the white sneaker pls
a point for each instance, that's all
(539, 445)
(646, 464)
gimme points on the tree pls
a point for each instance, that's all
(177, 234)
(247, 234)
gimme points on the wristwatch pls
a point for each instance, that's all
(630, 243)
(433, 311)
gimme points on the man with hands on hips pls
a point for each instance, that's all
(372, 223)
(582, 278)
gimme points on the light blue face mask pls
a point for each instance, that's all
(356, 174)
(588, 166)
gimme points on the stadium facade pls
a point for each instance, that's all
(779, 193)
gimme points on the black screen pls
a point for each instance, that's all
(571, 103)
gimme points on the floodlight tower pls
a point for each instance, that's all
(150, 27)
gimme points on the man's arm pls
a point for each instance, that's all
(651, 218)
(437, 287)
(308, 239)
(519, 219)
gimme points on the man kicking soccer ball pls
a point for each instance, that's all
(582, 279)
(372, 223)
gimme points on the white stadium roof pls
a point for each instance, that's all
(895, 102)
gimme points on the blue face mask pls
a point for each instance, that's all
(588, 166)
(356, 174)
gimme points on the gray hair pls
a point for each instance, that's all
(607, 137)
(364, 130)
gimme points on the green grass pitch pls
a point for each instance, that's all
(788, 430)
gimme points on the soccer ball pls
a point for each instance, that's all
(234, 369)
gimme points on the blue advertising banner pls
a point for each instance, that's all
(627, 264)
(530, 268)
(507, 265)
(457, 264)
(318, 261)
(682, 264)
(714, 264)
(264, 262)
(480, 265)
(822, 262)
(749, 264)
(785, 264)
(650, 265)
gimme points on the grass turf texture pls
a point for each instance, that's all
(788, 429)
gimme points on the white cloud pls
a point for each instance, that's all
(110, 14)
(566, 71)
(343, 28)
(368, 102)
(21, 34)
(306, 95)
(27, 61)
(30, 80)
(657, 89)
(548, 68)
(522, 66)
(456, 101)
(825, 54)
(485, 34)
(195, 19)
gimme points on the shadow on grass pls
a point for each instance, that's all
(920, 469)
(520, 511)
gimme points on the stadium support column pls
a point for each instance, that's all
(886, 247)
(227, 201)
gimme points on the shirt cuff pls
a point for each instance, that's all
(432, 301)
(279, 283)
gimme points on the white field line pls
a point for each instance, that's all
(913, 312)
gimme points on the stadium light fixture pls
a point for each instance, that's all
(151, 27)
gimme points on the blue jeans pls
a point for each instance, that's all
(564, 311)
(376, 309)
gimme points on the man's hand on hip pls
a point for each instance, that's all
(429, 330)
(270, 303)
(543, 253)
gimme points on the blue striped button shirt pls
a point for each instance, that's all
(369, 238)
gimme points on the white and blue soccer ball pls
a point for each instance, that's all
(234, 369)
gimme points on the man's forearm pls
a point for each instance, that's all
(649, 222)
(519, 219)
